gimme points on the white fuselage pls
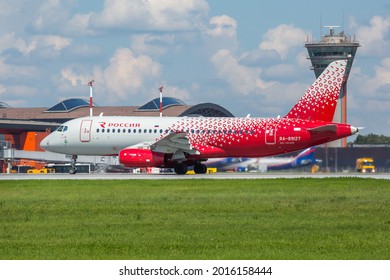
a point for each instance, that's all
(209, 137)
(104, 135)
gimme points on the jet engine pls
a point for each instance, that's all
(140, 158)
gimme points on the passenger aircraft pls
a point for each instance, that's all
(180, 142)
(304, 158)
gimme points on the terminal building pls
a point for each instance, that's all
(22, 129)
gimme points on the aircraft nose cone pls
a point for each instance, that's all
(45, 143)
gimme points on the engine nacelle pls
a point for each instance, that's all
(141, 158)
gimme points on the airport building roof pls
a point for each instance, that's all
(69, 105)
(4, 105)
(75, 108)
(166, 102)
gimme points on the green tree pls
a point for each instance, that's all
(372, 139)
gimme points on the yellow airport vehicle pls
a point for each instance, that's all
(41, 171)
(210, 170)
(365, 165)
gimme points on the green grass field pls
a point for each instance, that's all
(340, 218)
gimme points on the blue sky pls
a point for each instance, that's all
(247, 56)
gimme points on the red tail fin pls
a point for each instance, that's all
(320, 100)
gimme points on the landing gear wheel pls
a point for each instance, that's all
(181, 168)
(73, 168)
(200, 168)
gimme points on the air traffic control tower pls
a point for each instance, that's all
(334, 47)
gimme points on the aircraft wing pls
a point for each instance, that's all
(173, 143)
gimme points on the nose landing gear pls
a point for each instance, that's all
(73, 168)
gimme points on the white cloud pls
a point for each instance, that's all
(156, 15)
(373, 36)
(368, 98)
(75, 80)
(173, 91)
(244, 80)
(371, 87)
(56, 43)
(51, 15)
(126, 76)
(127, 73)
(154, 45)
(301, 59)
(2, 89)
(382, 73)
(282, 39)
(220, 33)
(79, 24)
(9, 41)
(9, 7)
(14, 71)
(19, 91)
(281, 71)
(17, 95)
(222, 26)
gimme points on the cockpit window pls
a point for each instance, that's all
(62, 128)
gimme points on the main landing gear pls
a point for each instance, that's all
(200, 168)
(182, 168)
(73, 169)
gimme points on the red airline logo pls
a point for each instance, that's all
(117, 124)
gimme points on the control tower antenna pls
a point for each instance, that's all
(331, 28)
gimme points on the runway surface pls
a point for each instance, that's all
(215, 176)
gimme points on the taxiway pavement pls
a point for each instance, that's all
(215, 176)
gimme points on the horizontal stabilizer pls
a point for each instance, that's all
(323, 128)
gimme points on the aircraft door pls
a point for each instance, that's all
(270, 134)
(85, 130)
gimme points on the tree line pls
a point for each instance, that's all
(372, 139)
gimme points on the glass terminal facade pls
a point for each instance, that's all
(69, 105)
(154, 104)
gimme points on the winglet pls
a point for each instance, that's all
(320, 100)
